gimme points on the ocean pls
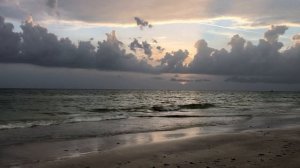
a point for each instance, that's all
(30, 115)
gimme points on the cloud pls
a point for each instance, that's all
(174, 62)
(42, 48)
(10, 42)
(39, 47)
(111, 56)
(202, 58)
(266, 59)
(145, 46)
(134, 45)
(296, 39)
(245, 58)
(52, 4)
(273, 34)
(142, 23)
(160, 48)
(257, 12)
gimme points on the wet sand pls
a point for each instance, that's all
(257, 148)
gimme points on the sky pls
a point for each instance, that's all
(150, 44)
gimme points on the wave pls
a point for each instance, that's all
(32, 124)
(55, 113)
(155, 108)
(104, 110)
(191, 116)
(182, 107)
(27, 124)
(94, 119)
(164, 108)
(197, 106)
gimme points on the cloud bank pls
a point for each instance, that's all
(35, 45)
(245, 58)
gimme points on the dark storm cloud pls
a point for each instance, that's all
(142, 23)
(9, 42)
(266, 60)
(245, 58)
(111, 56)
(174, 61)
(39, 47)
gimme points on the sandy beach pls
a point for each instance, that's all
(255, 148)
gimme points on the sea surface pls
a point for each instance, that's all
(45, 115)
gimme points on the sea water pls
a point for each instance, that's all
(28, 115)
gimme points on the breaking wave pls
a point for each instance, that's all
(155, 108)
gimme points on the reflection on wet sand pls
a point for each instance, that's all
(49, 151)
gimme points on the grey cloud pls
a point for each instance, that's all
(142, 23)
(145, 46)
(260, 12)
(160, 48)
(135, 44)
(10, 42)
(35, 45)
(202, 58)
(11, 9)
(273, 34)
(174, 62)
(244, 58)
(51, 3)
(111, 56)
(39, 47)
(296, 37)
(42, 48)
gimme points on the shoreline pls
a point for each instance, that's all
(163, 151)
(259, 148)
